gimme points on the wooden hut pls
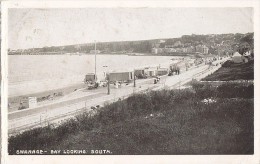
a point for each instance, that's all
(89, 78)
(121, 76)
(151, 71)
(162, 71)
(140, 73)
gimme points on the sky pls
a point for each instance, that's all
(36, 28)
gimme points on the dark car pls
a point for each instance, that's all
(93, 86)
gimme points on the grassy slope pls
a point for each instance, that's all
(180, 124)
(243, 71)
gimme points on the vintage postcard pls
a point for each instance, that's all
(114, 78)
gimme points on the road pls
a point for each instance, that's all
(83, 100)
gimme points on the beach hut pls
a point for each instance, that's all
(90, 77)
(237, 58)
(151, 71)
(140, 73)
(121, 76)
(32, 101)
(24, 103)
(162, 71)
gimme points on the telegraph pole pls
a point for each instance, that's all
(95, 62)
(108, 80)
(108, 84)
(134, 80)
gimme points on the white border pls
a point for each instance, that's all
(230, 159)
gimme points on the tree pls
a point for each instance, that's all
(244, 47)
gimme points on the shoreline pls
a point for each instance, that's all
(76, 85)
(14, 101)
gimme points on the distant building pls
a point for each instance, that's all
(202, 49)
(198, 48)
(177, 43)
(157, 50)
(169, 50)
(185, 50)
(190, 49)
(187, 44)
(93, 51)
(156, 45)
(179, 50)
(205, 50)
(162, 41)
(169, 46)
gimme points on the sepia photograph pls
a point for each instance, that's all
(130, 81)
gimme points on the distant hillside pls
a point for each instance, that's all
(216, 43)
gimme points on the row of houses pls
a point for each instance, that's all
(172, 49)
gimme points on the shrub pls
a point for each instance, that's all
(203, 90)
(140, 104)
(196, 85)
(228, 63)
(179, 96)
(160, 99)
(113, 113)
(235, 90)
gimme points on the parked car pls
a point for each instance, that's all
(93, 86)
(103, 83)
(156, 80)
(141, 76)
